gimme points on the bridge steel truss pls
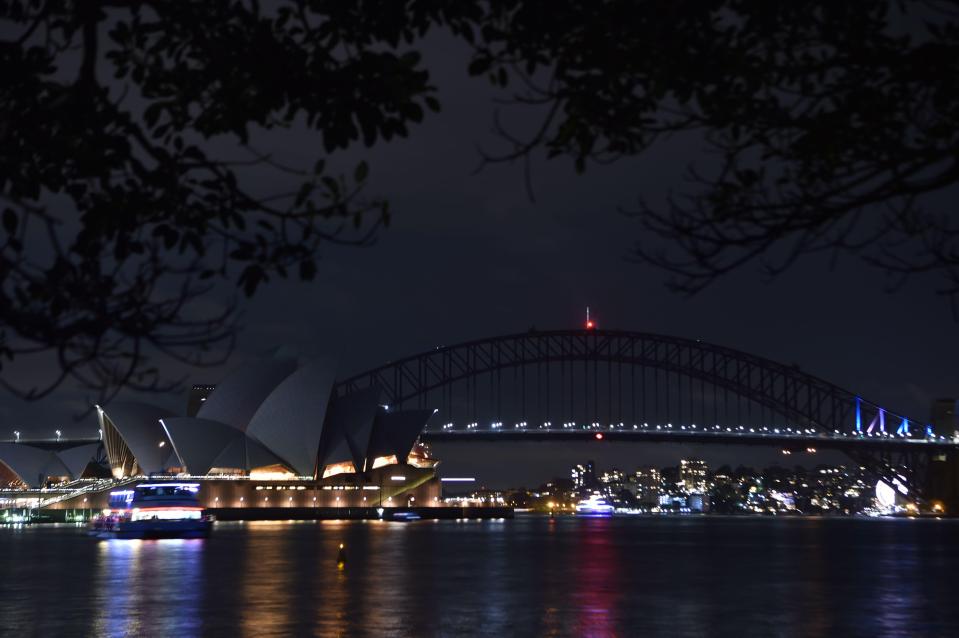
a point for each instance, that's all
(611, 377)
(704, 379)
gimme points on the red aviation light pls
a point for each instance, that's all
(599, 436)
(590, 324)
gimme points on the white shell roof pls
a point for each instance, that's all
(31, 464)
(265, 413)
(237, 398)
(290, 420)
(246, 453)
(201, 444)
(346, 433)
(198, 442)
(395, 432)
(77, 458)
(139, 426)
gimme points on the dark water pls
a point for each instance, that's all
(525, 577)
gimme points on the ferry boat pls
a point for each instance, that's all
(153, 510)
(407, 515)
(595, 505)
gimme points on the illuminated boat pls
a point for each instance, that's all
(153, 510)
(406, 516)
(595, 505)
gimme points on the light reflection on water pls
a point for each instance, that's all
(524, 577)
(137, 582)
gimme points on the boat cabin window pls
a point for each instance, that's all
(121, 500)
(159, 492)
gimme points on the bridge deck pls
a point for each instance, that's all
(697, 437)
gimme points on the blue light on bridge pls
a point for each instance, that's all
(903, 427)
(879, 418)
(858, 414)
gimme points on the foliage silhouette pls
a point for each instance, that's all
(831, 126)
(123, 201)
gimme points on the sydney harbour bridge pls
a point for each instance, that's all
(610, 385)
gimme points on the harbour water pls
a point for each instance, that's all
(530, 576)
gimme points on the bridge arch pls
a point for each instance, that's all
(589, 373)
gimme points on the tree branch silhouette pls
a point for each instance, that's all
(829, 126)
(124, 206)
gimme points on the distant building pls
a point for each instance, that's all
(584, 476)
(615, 477)
(698, 502)
(692, 475)
(670, 477)
(198, 395)
(649, 483)
(944, 417)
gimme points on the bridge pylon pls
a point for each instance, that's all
(943, 480)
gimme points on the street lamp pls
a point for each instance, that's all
(59, 433)
(16, 433)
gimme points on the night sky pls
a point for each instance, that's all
(470, 255)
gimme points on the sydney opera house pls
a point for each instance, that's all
(271, 434)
